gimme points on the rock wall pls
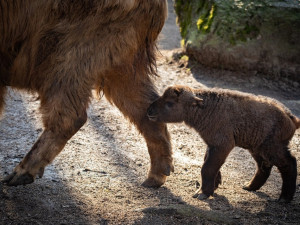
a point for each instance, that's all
(258, 35)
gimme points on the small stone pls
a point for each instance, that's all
(296, 84)
(197, 184)
(236, 216)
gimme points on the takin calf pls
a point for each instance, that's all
(225, 119)
(62, 50)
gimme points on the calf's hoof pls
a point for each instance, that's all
(15, 179)
(202, 196)
(249, 188)
(285, 199)
(246, 188)
(199, 195)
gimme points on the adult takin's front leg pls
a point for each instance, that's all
(210, 172)
(61, 120)
(133, 94)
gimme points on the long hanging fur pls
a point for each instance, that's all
(62, 49)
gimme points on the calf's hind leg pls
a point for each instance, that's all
(61, 120)
(287, 166)
(262, 174)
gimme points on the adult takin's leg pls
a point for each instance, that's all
(215, 158)
(263, 171)
(61, 121)
(287, 166)
(2, 96)
(133, 94)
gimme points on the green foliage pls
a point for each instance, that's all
(260, 35)
(234, 21)
(205, 20)
(239, 20)
(183, 10)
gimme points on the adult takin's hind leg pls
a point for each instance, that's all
(133, 94)
(262, 174)
(61, 121)
(2, 96)
(159, 148)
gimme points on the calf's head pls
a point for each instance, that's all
(172, 106)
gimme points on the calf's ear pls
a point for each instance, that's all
(197, 101)
(178, 91)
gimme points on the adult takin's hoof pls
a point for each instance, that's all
(14, 179)
(168, 169)
(154, 182)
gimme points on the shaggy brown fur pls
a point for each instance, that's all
(62, 49)
(225, 119)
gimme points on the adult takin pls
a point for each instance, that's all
(225, 119)
(62, 50)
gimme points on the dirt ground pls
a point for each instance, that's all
(96, 179)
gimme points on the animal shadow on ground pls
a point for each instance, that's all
(170, 208)
(114, 150)
(47, 201)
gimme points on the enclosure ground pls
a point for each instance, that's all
(97, 177)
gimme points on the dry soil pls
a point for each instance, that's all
(96, 179)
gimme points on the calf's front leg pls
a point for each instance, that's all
(214, 159)
(218, 179)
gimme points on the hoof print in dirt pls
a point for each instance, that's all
(14, 180)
